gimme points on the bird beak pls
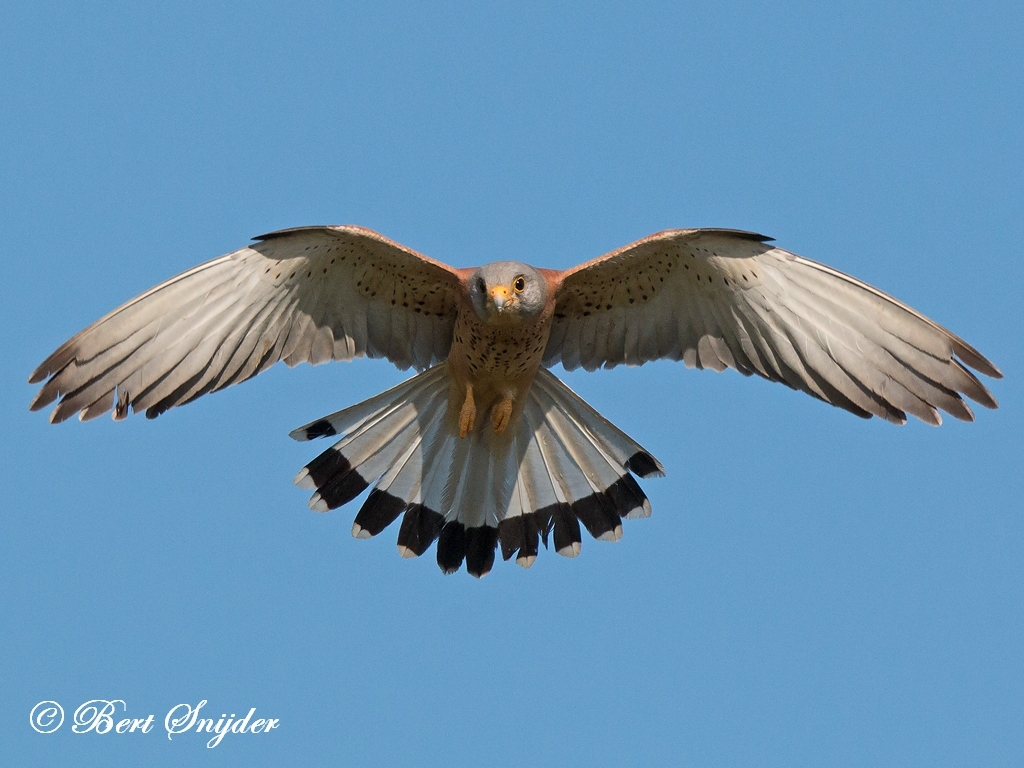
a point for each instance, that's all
(500, 296)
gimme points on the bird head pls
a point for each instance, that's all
(507, 291)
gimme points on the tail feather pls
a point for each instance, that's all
(620, 446)
(373, 448)
(560, 464)
(522, 528)
(594, 509)
(398, 487)
(351, 419)
(555, 463)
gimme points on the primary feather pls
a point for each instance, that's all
(304, 295)
(725, 299)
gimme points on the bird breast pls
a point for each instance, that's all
(498, 356)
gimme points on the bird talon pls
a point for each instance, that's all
(467, 415)
(500, 415)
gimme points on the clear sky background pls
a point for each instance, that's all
(812, 589)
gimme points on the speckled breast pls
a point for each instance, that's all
(499, 350)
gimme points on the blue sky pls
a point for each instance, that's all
(812, 589)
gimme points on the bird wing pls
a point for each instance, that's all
(309, 294)
(720, 298)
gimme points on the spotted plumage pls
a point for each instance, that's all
(486, 447)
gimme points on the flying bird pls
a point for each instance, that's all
(485, 446)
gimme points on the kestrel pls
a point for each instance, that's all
(485, 445)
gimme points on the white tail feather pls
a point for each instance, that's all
(561, 463)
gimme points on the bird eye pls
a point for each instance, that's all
(519, 284)
(481, 286)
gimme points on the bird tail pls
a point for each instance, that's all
(559, 465)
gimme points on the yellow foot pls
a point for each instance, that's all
(468, 413)
(500, 415)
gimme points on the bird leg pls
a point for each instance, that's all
(501, 413)
(467, 415)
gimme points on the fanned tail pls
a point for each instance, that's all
(559, 465)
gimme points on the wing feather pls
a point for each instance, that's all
(310, 294)
(727, 299)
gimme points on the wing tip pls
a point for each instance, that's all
(975, 359)
(977, 392)
(43, 398)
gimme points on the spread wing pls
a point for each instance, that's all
(309, 294)
(721, 298)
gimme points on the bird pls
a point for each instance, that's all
(484, 447)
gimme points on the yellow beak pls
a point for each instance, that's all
(501, 296)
